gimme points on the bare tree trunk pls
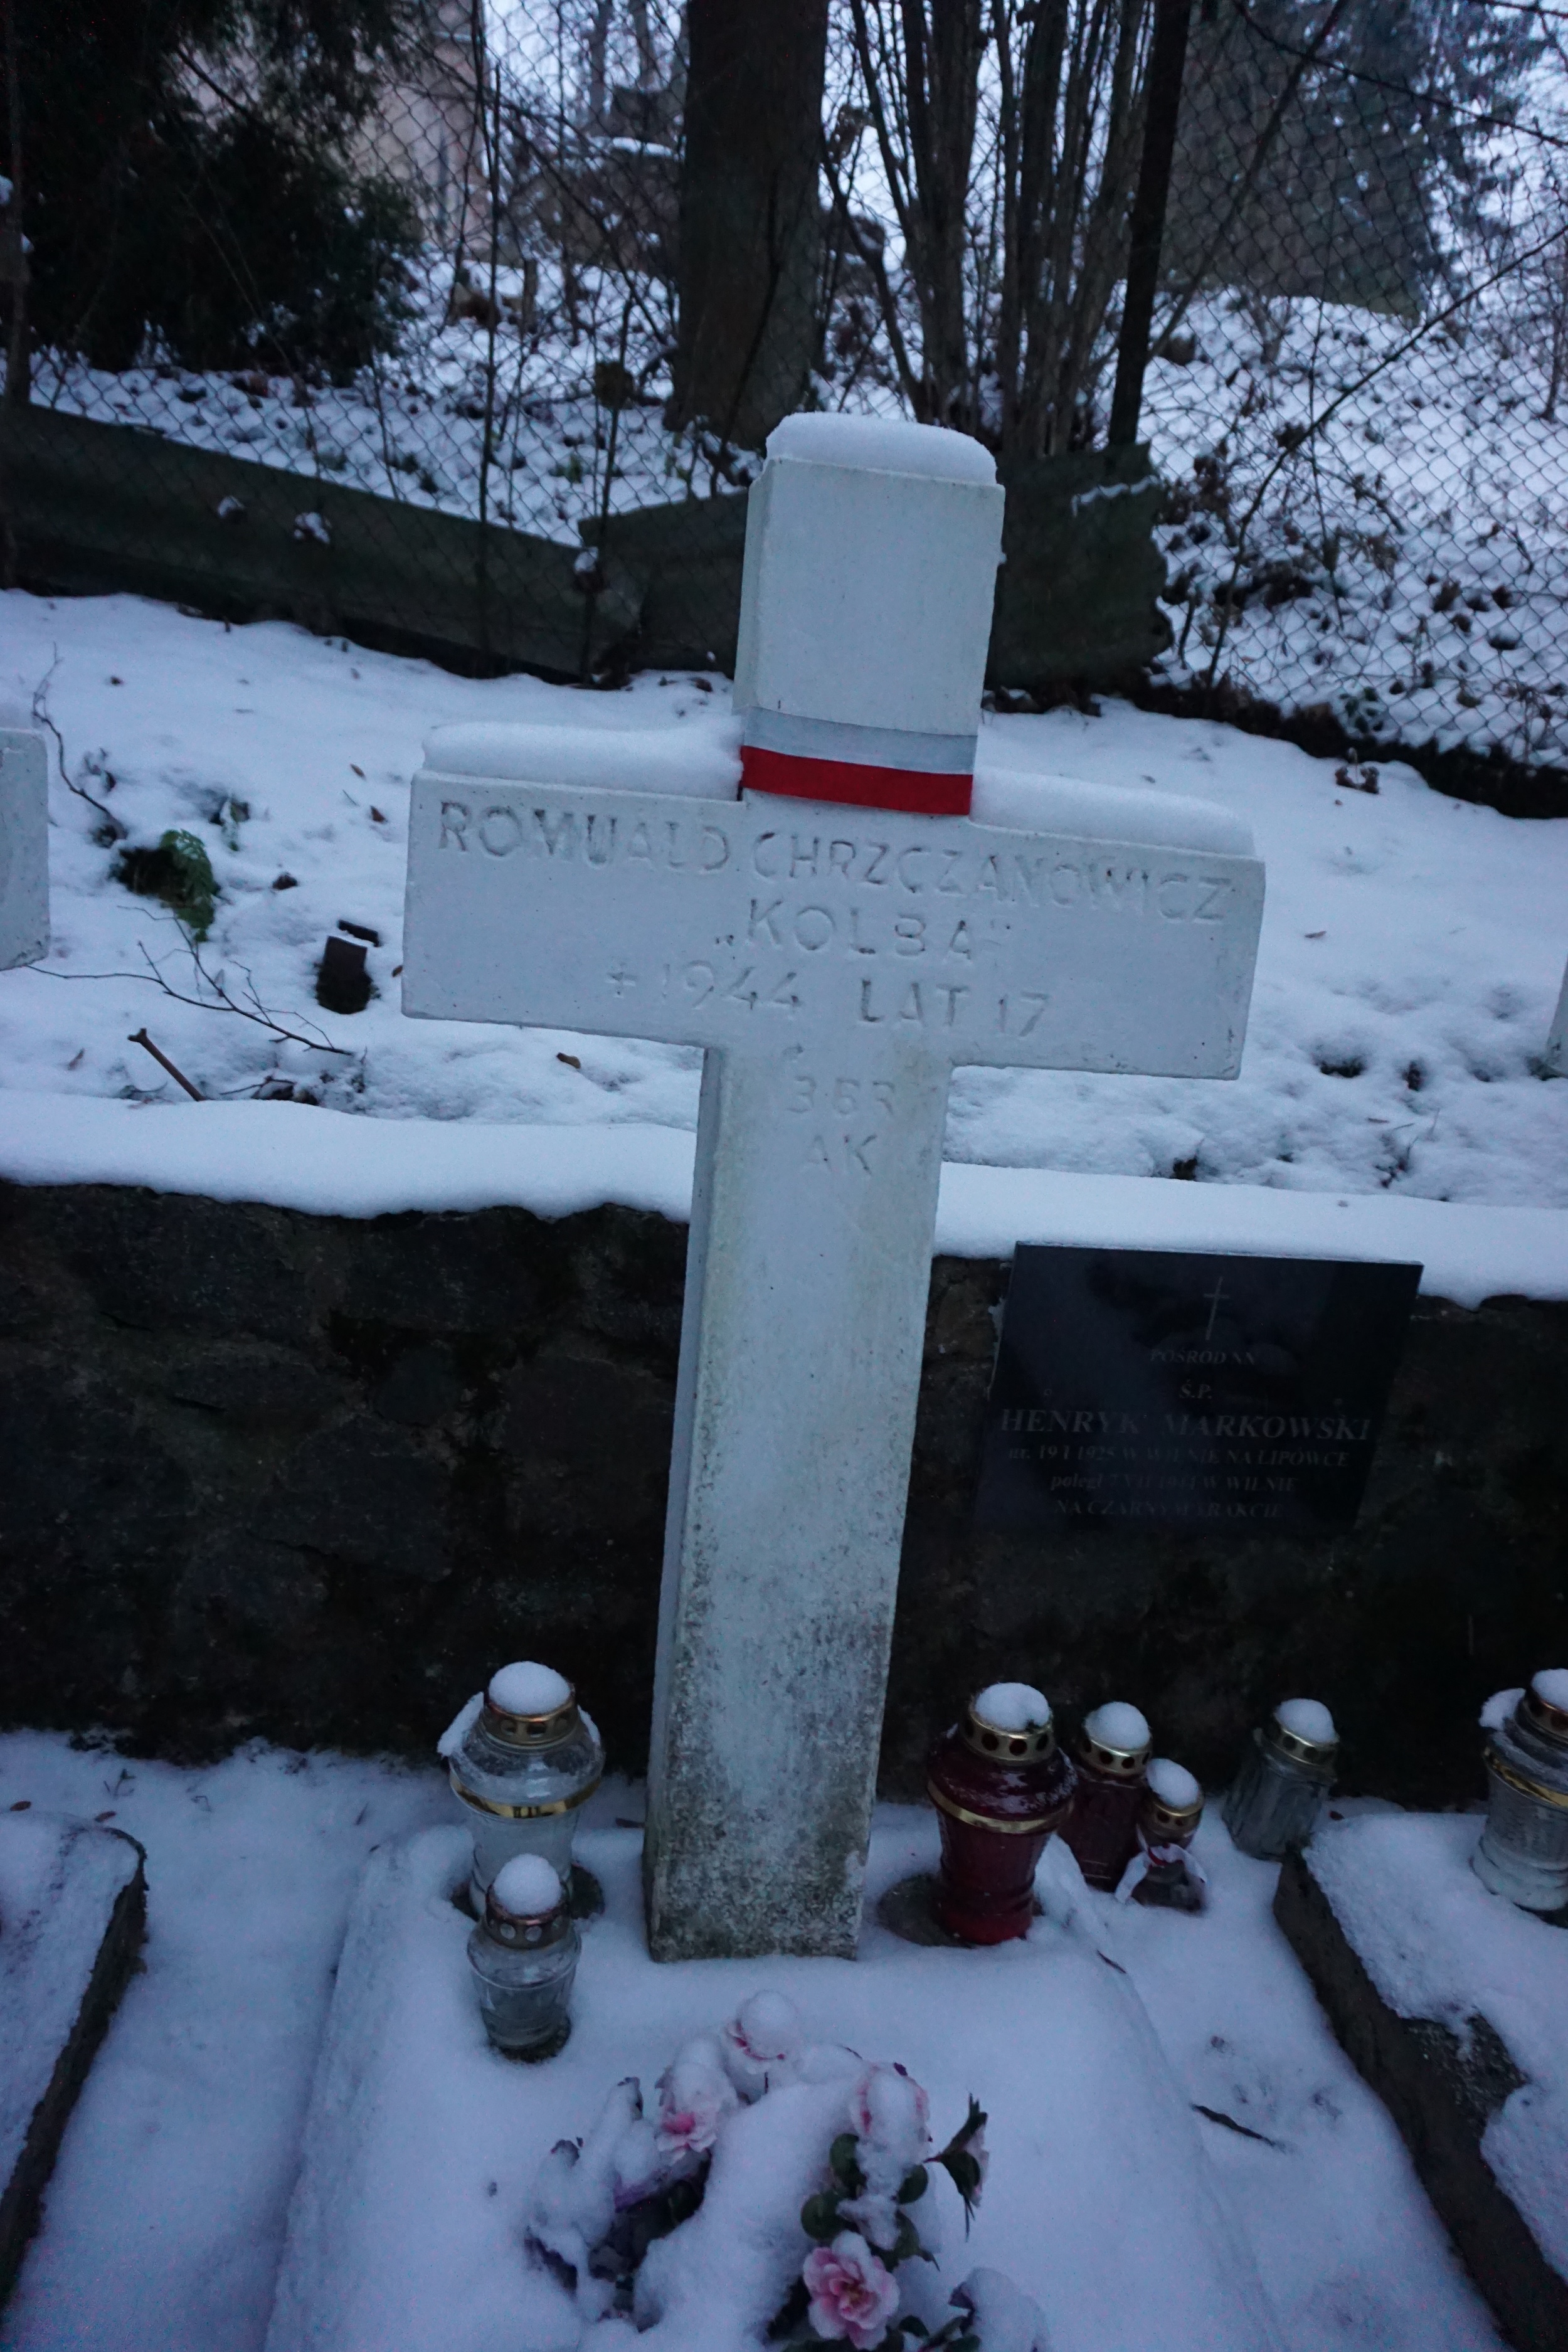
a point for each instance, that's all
(922, 84)
(1080, 122)
(647, 55)
(1012, 257)
(598, 47)
(942, 63)
(13, 251)
(1148, 225)
(1557, 311)
(751, 222)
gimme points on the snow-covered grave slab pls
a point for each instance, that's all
(73, 1907)
(1454, 2004)
(837, 942)
(421, 2144)
(24, 844)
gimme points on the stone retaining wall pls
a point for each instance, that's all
(309, 1477)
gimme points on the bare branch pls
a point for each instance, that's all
(219, 1002)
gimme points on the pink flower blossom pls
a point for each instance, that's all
(889, 2103)
(761, 2042)
(853, 2295)
(891, 2116)
(694, 2097)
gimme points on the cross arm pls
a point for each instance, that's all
(752, 923)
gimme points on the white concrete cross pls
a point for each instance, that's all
(24, 847)
(836, 962)
(1556, 1053)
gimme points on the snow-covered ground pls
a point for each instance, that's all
(1405, 565)
(411, 428)
(164, 2222)
(1412, 950)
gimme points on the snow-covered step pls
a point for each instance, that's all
(73, 1907)
(1455, 2006)
(421, 2145)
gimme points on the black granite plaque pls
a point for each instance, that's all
(1153, 1387)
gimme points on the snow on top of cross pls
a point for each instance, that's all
(527, 1688)
(702, 759)
(1173, 1785)
(884, 445)
(1551, 1685)
(1023, 799)
(1308, 1718)
(1013, 1706)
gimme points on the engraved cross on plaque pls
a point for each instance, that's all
(836, 962)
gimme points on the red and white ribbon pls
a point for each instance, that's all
(863, 767)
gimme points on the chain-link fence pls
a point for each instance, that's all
(1356, 390)
(450, 281)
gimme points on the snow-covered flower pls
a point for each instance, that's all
(1007, 2319)
(694, 2095)
(875, 2215)
(761, 2042)
(853, 2295)
(891, 2116)
(578, 2188)
(639, 2164)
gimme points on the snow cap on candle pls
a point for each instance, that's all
(1118, 1725)
(526, 1688)
(1012, 1706)
(1308, 1720)
(870, 570)
(1174, 1786)
(526, 1888)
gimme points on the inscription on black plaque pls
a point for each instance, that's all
(1156, 1387)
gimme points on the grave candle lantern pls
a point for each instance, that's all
(520, 1766)
(524, 1954)
(1000, 1785)
(1103, 1827)
(1168, 1818)
(1523, 1850)
(1274, 1802)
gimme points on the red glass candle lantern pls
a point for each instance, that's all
(1112, 1760)
(1000, 1785)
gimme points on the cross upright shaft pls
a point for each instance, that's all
(836, 964)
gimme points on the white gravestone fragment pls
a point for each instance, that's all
(836, 961)
(23, 845)
(1556, 1055)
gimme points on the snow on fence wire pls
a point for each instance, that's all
(1352, 390)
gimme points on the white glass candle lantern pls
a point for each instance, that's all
(522, 1759)
(1523, 1852)
(1164, 1874)
(1275, 1801)
(524, 1954)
